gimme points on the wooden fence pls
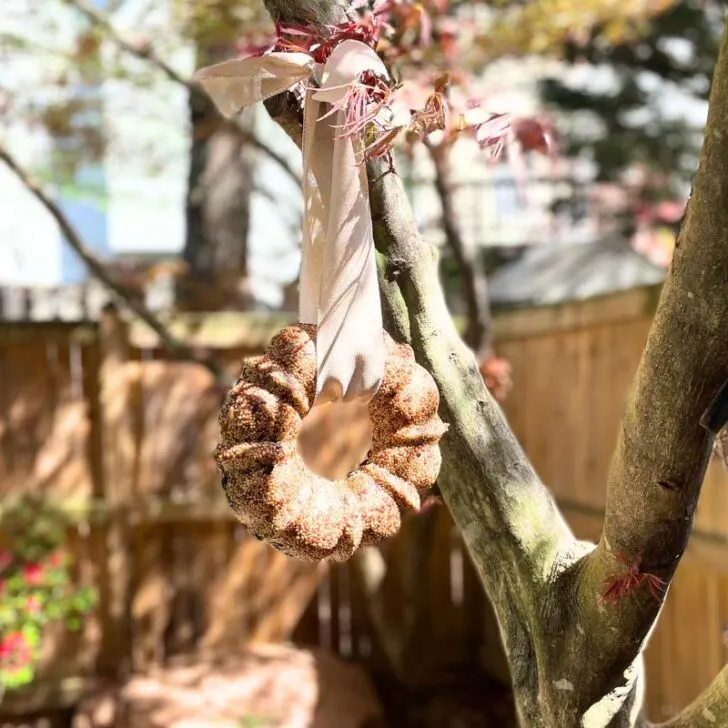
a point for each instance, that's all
(91, 415)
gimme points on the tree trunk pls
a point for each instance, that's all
(219, 189)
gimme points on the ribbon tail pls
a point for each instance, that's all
(350, 342)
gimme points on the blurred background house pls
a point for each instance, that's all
(127, 197)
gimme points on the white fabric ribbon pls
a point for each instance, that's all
(339, 291)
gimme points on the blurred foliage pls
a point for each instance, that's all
(462, 37)
(475, 34)
(627, 123)
(220, 24)
(37, 587)
(82, 68)
(542, 27)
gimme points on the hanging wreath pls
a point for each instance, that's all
(335, 384)
(268, 483)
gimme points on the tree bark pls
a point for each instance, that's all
(576, 663)
(478, 334)
(663, 451)
(219, 189)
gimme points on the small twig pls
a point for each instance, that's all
(479, 333)
(97, 269)
(146, 53)
(709, 709)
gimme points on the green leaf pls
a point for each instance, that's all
(18, 678)
(31, 634)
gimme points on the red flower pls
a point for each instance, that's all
(14, 647)
(33, 574)
(55, 560)
(33, 604)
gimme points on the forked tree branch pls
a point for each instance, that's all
(574, 662)
(146, 52)
(98, 271)
(505, 514)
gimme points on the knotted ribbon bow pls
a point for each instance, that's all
(339, 291)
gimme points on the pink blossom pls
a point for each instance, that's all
(33, 604)
(33, 574)
(15, 647)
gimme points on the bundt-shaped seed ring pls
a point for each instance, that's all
(270, 488)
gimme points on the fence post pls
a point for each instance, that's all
(118, 396)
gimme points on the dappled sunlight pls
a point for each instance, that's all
(263, 685)
(176, 428)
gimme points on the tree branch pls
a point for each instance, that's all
(479, 332)
(98, 270)
(145, 52)
(662, 454)
(709, 710)
(504, 513)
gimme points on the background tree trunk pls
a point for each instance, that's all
(219, 189)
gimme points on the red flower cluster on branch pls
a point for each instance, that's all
(320, 42)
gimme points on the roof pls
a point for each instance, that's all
(550, 274)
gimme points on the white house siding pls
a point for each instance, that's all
(29, 250)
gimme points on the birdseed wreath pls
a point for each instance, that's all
(335, 385)
(279, 498)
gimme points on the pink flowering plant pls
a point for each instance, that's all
(37, 588)
(414, 104)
